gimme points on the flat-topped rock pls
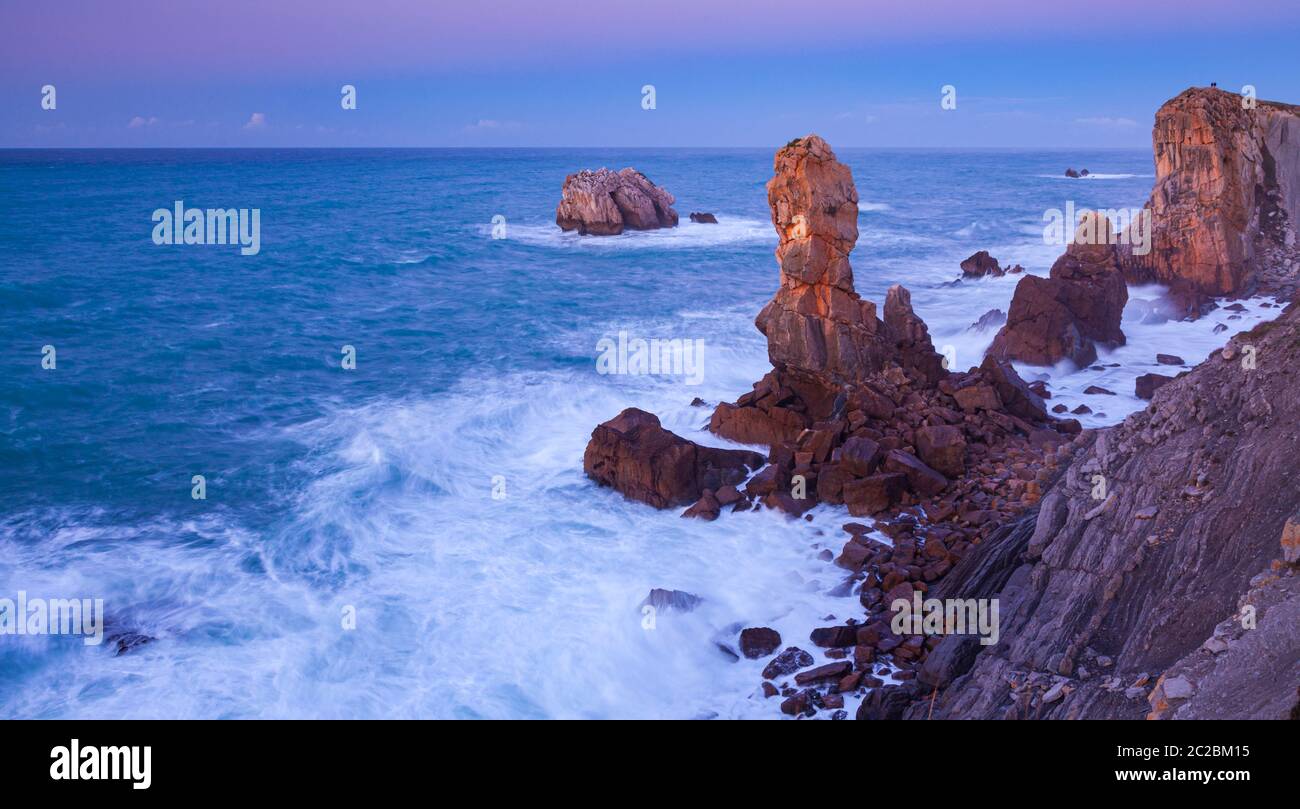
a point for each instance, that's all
(635, 455)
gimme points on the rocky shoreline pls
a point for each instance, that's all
(975, 491)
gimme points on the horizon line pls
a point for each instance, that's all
(498, 148)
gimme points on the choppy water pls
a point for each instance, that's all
(372, 488)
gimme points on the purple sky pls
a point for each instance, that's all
(242, 73)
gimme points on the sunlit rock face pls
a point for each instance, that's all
(817, 324)
(1226, 197)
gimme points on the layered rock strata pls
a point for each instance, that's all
(1158, 575)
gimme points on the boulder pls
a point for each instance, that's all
(759, 641)
(830, 637)
(981, 264)
(943, 448)
(1080, 304)
(753, 425)
(977, 397)
(1014, 395)
(706, 508)
(635, 455)
(874, 493)
(860, 456)
(703, 218)
(920, 477)
(788, 662)
(1148, 384)
(822, 674)
(671, 600)
(605, 203)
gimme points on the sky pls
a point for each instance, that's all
(249, 73)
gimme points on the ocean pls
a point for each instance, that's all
(414, 536)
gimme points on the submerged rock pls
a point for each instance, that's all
(671, 600)
(988, 321)
(126, 642)
(788, 662)
(982, 264)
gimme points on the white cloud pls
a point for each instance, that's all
(138, 122)
(256, 121)
(1106, 121)
(491, 125)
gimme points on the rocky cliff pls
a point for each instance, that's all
(1157, 576)
(1226, 201)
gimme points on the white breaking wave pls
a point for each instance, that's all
(1094, 176)
(687, 235)
(1148, 331)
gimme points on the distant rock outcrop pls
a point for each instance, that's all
(982, 264)
(605, 203)
(1079, 304)
(1226, 201)
(701, 218)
